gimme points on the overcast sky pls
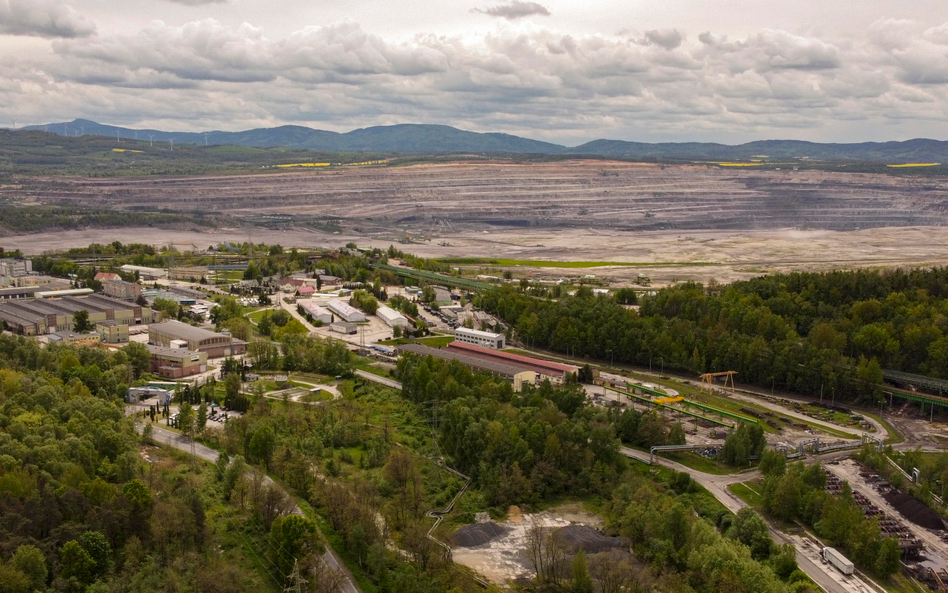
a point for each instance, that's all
(559, 70)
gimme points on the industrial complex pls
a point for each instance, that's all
(38, 316)
(175, 334)
(314, 311)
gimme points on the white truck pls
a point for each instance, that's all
(838, 560)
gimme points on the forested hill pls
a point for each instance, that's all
(85, 506)
(800, 332)
(404, 138)
(440, 139)
(919, 150)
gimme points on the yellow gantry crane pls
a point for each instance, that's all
(707, 380)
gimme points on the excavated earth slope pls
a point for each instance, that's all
(601, 194)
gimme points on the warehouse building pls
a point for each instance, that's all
(145, 273)
(56, 293)
(476, 337)
(35, 280)
(215, 345)
(343, 328)
(391, 317)
(27, 326)
(175, 363)
(18, 292)
(314, 311)
(556, 373)
(119, 289)
(40, 316)
(345, 311)
(518, 375)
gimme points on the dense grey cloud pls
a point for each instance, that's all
(516, 77)
(42, 18)
(667, 39)
(514, 10)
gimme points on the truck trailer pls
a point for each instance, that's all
(838, 560)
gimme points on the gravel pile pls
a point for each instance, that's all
(588, 539)
(914, 511)
(477, 534)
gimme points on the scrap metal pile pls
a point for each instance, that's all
(891, 527)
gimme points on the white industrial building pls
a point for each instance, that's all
(144, 272)
(478, 338)
(343, 328)
(315, 311)
(391, 317)
(345, 311)
(14, 267)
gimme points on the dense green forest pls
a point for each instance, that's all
(83, 507)
(383, 453)
(803, 332)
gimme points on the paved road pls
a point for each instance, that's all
(825, 576)
(179, 441)
(380, 380)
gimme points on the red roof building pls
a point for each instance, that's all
(107, 276)
(554, 371)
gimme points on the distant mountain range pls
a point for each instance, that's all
(437, 139)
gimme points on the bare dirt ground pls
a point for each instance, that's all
(722, 255)
(917, 429)
(578, 193)
(687, 222)
(506, 558)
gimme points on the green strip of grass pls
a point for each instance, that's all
(895, 437)
(747, 494)
(436, 341)
(432, 341)
(319, 396)
(701, 463)
(539, 263)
